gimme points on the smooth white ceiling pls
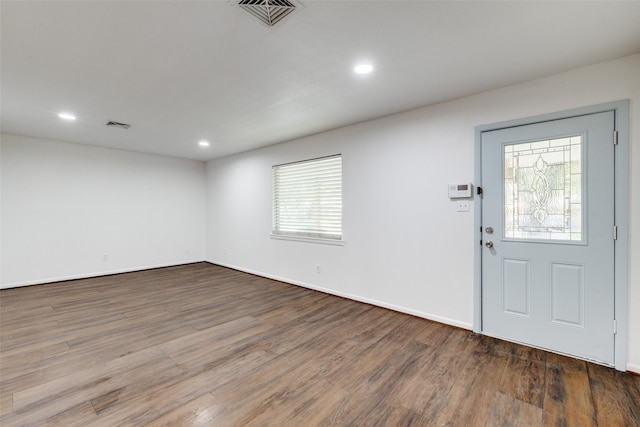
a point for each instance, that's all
(181, 71)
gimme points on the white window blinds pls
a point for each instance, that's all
(307, 198)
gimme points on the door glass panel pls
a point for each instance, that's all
(543, 190)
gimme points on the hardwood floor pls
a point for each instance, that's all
(204, 345)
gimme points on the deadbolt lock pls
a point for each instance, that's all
(489, 230)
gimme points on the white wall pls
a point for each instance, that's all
(65, 206)
(406, 247)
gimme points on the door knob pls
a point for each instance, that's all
(489, 244)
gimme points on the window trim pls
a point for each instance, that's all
(321, 240)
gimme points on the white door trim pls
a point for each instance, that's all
(621, 114)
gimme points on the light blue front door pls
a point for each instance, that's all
(548, 235)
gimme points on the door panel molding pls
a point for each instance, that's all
(621, 209)
(516, 292)
(567, 283)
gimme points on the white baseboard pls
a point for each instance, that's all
(632, 367)
(91, 275)
(417, 313)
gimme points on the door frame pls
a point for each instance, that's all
(621, 214)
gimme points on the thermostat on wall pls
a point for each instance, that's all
(459, 191)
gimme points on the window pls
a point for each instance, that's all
(543, 189)
(307, 199)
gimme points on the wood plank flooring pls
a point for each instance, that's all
(204, 345)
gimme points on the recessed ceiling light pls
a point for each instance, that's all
(203, 143)
(67, 116)
(363, 68)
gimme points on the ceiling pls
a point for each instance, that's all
(183, 71)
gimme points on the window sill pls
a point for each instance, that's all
(333, 242)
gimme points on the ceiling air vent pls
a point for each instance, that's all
(118, 125)
(268, 11)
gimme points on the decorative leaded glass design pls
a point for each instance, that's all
(543, 190)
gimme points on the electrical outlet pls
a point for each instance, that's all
(317, 269)
(105, 257)
(462, 205)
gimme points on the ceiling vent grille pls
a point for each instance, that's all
(118, 125)
(268, 11)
